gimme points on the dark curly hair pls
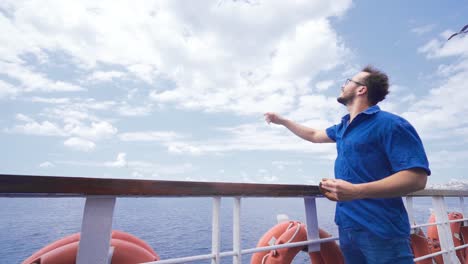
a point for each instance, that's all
(377, 84)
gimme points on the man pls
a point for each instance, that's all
(380, 158)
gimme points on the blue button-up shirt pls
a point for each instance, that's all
(375, 145)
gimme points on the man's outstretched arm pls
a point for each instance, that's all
(307, 133)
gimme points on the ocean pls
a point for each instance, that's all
(173, 227)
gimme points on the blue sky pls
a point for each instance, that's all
(176, 90)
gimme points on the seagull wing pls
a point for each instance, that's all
(464, 29)
(453, 35)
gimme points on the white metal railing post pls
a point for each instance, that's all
(312, 222)
(444, 231)
(236, 239)
(410, 210)
(464, 210)
(215, 232)
(96, 230)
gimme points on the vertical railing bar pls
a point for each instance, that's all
(96, 230)
(444, 231)
(215, 232)
(464, 210)
(236, 239)
(312, 222)
(410, 210)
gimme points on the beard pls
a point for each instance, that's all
(345, 99)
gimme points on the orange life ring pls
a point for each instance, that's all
(127, 249)
(433, 236)
(464, 235)
(329, 252)
(289, 232)
(420, 246)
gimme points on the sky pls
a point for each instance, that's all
(176, 90)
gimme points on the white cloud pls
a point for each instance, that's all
(439, 48)
(281, 164)
(299, 51)
(31, 127)
(73, 110)
(32, 81)
(445, 105)
(97, 130)
(324, 85)
(146, 72)
(317, 111)
(166, 96)
(234, 57)
(247, 137)
(72, 126)
(444, 159)
(179, 148)
(137, 174)
(152, 168)
(445, 70)
(400, 97)
(80, 144)
(160, 136)
(128, 110)
(7, 90)
(46, 164)
(69, 117)
(132, 93)
(138, 168)
(453, 184)
(423, 29)
(69, 114)
(95, 105)
(440, 115)
(49, 100)
(120, 161)
(24, 118)
(104, 76)
(266, 176)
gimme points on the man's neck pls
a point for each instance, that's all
(356, 108)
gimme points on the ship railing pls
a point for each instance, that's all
(101, 194)
(447, 246)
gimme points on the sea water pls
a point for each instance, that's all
(173, 227)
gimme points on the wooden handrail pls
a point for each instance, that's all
(27, 185)
(441, 192)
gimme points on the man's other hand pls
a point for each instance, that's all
(339, 190)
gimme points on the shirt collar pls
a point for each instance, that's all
(369, 111)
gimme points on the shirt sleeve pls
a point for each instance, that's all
(405, 149)
(331, 132)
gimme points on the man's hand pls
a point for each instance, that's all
(340, 190)
(307, 133)
(273, 118)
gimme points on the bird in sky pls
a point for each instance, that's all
(463, 30)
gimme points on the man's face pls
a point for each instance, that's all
(349, 88)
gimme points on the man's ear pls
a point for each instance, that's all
(362, 90)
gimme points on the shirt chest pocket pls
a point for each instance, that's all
(361, 149)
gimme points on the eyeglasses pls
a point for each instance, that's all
(349, 80)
